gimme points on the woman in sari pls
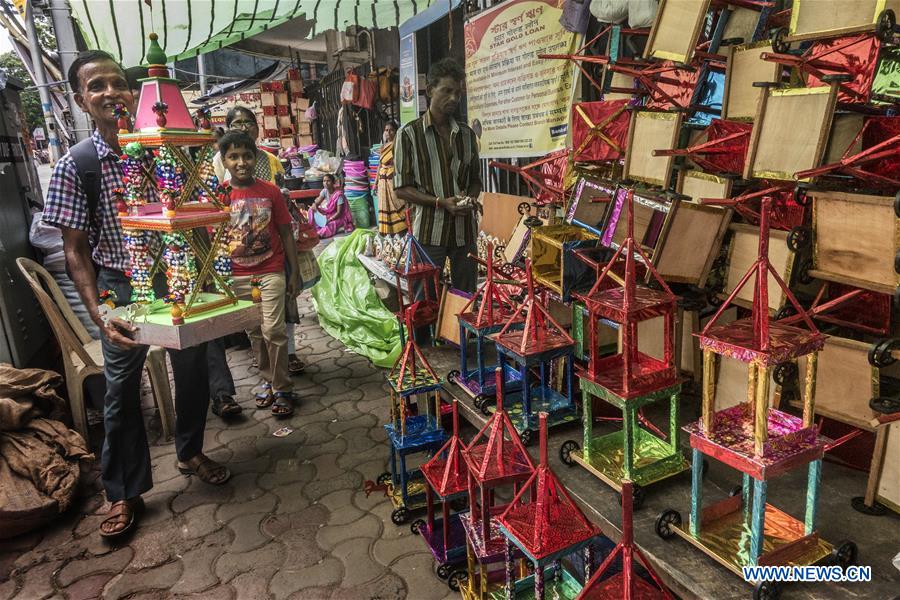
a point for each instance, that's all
(391, 209)
(333, 207)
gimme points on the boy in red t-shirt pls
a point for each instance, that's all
(260, 231)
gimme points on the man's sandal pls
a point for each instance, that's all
(122, 513)
(206, 469)
(226, 407)
(284, 404)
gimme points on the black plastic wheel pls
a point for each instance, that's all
(735, 41)
(845, 554)
(704, 468)
(666, 523)
(457, 579)
(485, 407)
(803, 276)
(799, 238)
(884, 28)
(443, 571)
(897, 205)
(789, 395)
(736, 491)
(566, 450)
(417, 526)
(452, 375)
(399, 516)
(785, 373)
(897, 297)
(779, 44)
(785, 311)
(383, 478)
(876, 510)
(897, 262)
(524, 208)
(526, 437)
(885, 405)
(880, 353)
(800, 195)
(767, 590)
(532, 222)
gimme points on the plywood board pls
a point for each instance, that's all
(651, 131)
(452, 303)
(742, 23)
(889, 481)
(843, 382)
(855, 239)
(844, 129)
(651, 339)
(643, 216)
(815, 18)
(591, 203)
(698, 185)
(676, 29)
(745, 67)
(501, 213)
(789, 132)
(695, 235)
(621, 81)
(742, 254)
(691, 355)
(518, 241)
(198, 329)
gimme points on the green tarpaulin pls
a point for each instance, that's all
(348, 307)
(190, 27)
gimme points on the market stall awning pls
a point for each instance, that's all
(190, 27)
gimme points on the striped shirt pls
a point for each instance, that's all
(67, 206)
(423, 161)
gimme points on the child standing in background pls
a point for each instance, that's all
(260, 236)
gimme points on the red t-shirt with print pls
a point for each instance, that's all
(256, 213)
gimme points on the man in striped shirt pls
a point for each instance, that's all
(437, 166)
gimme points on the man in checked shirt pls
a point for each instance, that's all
(100, 84)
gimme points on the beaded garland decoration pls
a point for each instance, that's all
(182, 269)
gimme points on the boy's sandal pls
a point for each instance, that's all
(121, 518)
(264, 398)
(206, 469)
(284, 405)
(295, 365)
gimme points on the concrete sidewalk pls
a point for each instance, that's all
(293, 522)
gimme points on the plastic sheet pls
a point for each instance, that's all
(348, 307)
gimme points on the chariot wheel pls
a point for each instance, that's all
(884, 28)
(399, 516)
(417, 526)
(785, 311)
(666, 523)
(457, 579)
(785, 373)
(880, 353)
(486, 406)
(443, 571)
(767, 590)
(859, 505)
(885, 405)
(736, 491)
(799, 238)
(524, 208)
(566, 450)
(526, 437)
(800, 194)
(845, 554)
(638, 495)
(897, 205)
(806, 266)
(735, 41)
(383, 478)
(452, 375)
(779, 44)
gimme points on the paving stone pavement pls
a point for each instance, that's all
(293, 522)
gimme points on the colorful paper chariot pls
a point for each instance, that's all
(630, 379)
(484, 314)
(416, 275)
(496, 461)
(542, 353)
(447, 477)
(408, 433)
(174, 221)
(545, 525)
(760, 441)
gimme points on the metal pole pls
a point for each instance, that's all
(201, 70)
(67, 48)
(41, 81)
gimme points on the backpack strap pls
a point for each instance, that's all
(87, 163)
